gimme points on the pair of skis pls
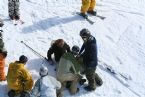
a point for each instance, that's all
(89, 20)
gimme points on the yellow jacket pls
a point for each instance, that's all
(18, 77)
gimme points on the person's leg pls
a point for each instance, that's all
(92, 5)
(85, 6)
(98, 80)
(60, 91)
(90, 75)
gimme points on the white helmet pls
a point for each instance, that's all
(43, 71)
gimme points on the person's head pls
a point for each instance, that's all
(43, 71)
(59, 42)
(23, 59)
(85, 34)
(75, 49)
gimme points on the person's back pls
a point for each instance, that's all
(46, 85)
(18, 78)
(59, 47)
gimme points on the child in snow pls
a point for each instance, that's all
(46, 85)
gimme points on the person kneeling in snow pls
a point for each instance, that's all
(18, 78)
(46, 85)
(68, 71)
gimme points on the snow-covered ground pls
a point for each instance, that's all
(120, 37)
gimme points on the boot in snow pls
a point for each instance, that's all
(94, 13)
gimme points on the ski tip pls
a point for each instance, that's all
(21, 41)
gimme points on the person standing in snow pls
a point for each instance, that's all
(58, 48)
(68, 71)
(46, 85)
(88, 7)
(89, 53)
(18, 78)
(3, 54)
(13, 9)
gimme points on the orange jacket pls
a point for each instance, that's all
(2, 65)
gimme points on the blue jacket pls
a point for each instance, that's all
(89, 52)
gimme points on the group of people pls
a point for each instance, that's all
(71, 64)
(88, 6)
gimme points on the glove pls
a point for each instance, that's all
(50, 61)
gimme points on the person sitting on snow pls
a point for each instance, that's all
(46, 85)
(18, 78)
(68, 71)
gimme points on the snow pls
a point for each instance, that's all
(120, 39)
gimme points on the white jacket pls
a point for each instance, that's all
(45, 87)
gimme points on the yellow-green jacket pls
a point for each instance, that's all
(18, 78)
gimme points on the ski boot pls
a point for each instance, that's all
(84, 15)
(94, 13)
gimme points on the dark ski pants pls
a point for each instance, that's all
(93, 78)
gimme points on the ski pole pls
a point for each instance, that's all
(34, 50)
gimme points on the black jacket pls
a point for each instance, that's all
(58, 51)
(90, 52)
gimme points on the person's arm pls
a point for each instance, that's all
(50, 52)
(82, 49)
(56, 83)
(67, 48)
(36, 90)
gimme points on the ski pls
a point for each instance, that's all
(101, 17)
(115, 74)
(112, 71)
(87, 19)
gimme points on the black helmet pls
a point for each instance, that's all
(23, 59)
(75, 49)
(85, 33)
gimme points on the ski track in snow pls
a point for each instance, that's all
(120, 40)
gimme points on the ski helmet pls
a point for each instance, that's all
(43, 71)
(23, 59)
(75, 49)
(85, 33)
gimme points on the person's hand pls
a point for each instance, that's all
(50, 61)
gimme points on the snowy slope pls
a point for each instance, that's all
(120, 37)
